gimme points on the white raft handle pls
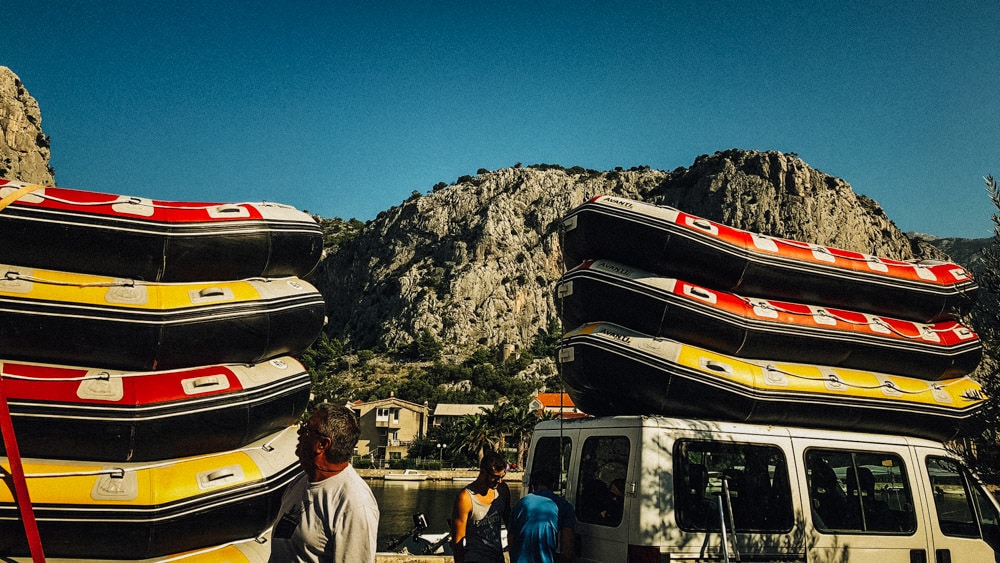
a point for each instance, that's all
(220, 474)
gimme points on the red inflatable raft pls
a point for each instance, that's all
(153, 240)
(673, 243)
(106, 415)
(605, 291)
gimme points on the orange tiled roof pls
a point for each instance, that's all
(551, 400)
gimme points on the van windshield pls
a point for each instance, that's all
(756, 477)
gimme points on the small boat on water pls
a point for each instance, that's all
(152, 240)
(132, 511)
(603, 290)
(105, 415)
(406, 475)
(78, 319)
(670, 242)
(612, 370)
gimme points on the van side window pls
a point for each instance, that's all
(600, 497)
(756, 477)
(554, 458)
(859, 492)
(958, 500)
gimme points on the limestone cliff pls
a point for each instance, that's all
(24, 148)
(475, 262)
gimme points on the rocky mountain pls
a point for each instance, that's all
(24, 148)
(475, 262)
(965, 251)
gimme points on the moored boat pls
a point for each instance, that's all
(670, 242)
(77, 319)
(91, 414)
(603, 290)
(152, 240)
(406, 475)
(612, 370)
(139, 511)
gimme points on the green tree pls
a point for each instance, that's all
(426, 347)
(423, 447)
(451, 435)
(982, 452)
(322, 359)
(498, 420)
(522, 424)
(475, 437)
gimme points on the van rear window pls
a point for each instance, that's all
(745, 483)
(859, 492)
(552, 454)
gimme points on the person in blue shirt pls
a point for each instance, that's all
(542, 525)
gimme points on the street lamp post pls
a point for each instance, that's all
(441, 448)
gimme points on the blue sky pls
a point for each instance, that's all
(344, 108)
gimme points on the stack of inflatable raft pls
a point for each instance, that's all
(678, 315)
(146, 359)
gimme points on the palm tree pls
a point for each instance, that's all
(475, 436)
(499, 420)
(522, 423)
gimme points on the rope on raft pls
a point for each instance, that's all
(931, 387)
(872, 319)
(25, 190)
(11, 275)
(119, 472)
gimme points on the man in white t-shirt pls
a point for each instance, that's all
(328, 514)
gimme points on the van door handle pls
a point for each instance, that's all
(942, 556)
(918, 556)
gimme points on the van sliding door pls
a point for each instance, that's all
(742, 488)
(862, 502)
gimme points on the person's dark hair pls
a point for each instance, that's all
(542, 478)
(339, 424)
(494, 462)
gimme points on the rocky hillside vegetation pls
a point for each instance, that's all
(449, 295)
(474, 263)
(24, 148)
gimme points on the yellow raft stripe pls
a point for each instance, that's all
(792, 378)
(51, 285)
(157, 483)
(807, 378)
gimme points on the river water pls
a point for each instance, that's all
(398, 501)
